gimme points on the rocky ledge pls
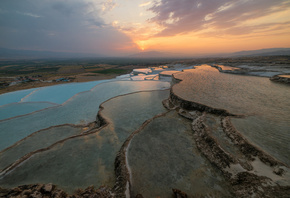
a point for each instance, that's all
(191, 105)
(210, 147)
(187, 105)
(281, 78)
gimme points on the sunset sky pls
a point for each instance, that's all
(121, 27)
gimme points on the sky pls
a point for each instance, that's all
(123, 27)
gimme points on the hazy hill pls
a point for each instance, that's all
(263, 52)
(148, 54)
(33, 54)
(156, 54)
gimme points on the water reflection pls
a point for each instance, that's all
(266, 104)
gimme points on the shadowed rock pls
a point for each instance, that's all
(281, 78)
(50, 190)
(179, 194)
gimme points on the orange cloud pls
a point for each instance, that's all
(210, 26)
(192, 15)
(145, 4)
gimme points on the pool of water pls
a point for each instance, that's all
(163, 155)
(17, 109)
(27, 101)
(90, 158)
(265, 104)
(60, 93)
(81, 109)
(269, 135)
(39, 140)
(236, 93)
(15, 96)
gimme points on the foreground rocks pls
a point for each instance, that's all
(179, 194)
(281, 79)
(247, 184)
(50, 190)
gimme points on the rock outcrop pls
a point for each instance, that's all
(281, 78)
(210, 147)
(179, 194)
(191, 105)
(50, 190)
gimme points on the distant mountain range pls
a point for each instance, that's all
(33, 54)
(261, 52)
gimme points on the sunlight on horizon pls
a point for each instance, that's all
(114, 27)
(266, 31)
